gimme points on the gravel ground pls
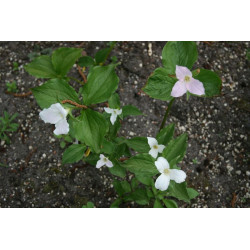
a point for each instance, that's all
(217, 160)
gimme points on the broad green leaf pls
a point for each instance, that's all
(176, 148)
(41, 67)
(139, 144)
(113, 129)
(134, 183)
(122, 150)
(107, 147)
(114, 101)
(144, 179)
(170, 203)
(192, 193)
(116, 203)
(102, 82)
(157, 204)
(211, 82)
(54, 91)
(141, 164)
(140, 196)
(118, 187)
(73, 154)
(166, 134)
(90, 205)
(126, 186)
(179, 191)
(91, 129)
(63, 59)
(117, 170)
(102, 55)
(86, 61)
(92, 158)
(130, 110)
(160, 84)
(179, 53)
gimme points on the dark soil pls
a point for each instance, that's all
(217, 160)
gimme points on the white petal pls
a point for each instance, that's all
(195, 87)
(109, 110)
(102, 156)
(100, 163)
(161, 148)
(177, 175)
(109, 164)
(62, 127)
(162, 182)
(113, 118)
(181, 72)
(161, 164)
(152, 141)
(118, 111)
(179, 89)
(153, 152)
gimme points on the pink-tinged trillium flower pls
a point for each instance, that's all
(114, 113)
(56, 114)
(186, 83)
(154, 147)
(104, 161)
(167, 174)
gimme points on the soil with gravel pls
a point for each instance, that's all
(217, 159)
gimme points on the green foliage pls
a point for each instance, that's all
(89, 205)
(166, 134)
(7, 126)
(130, 110)
(86, 61)
(114, 101)
(11, 87)
(102, 82)
(15, 66)
(170, 203)
(74, 153)
(139, 144)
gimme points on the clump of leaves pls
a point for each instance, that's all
(89, 205)
(11, 87)
(7, 126)
(15, 66)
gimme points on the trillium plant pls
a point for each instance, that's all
(145, 169)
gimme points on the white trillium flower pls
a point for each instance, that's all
(167, 174)
(104, 161)
(114, 113)
(56, 114)
(155, 148)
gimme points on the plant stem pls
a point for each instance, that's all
(166, 114)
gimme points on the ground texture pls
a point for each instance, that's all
(217, 160)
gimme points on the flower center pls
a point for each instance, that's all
(187, 79)
(114, 112)
(155, 147)
(166, 171)
(105, 159)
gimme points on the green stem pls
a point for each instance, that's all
(74, 79)
(166, 114)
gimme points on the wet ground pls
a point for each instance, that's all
(217, 160)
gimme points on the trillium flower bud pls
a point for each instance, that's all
(104, 161)
(56, 114)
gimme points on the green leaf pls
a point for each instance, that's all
(114, 101)
(211, 82)
(130, 110)
(179, 53)
(116, 203)
(126, 186)
(179, 191)
(102, 82)
(176, 148)
(102, 55)
(90, 205)
(63, 59)
(91, 129)
(73, 154)
(170, 203)
(160, 84)
(157, 204)
(54, 91)
(139, 144)
(107, 147)
(134, 183)
(41, 67)
(192, 193)
(140, 196)
(166, 134)
(117, 170)
(141, 164)
(86, 61)
(144, 179)
(118, 187)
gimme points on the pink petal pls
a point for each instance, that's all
(195, 87)
(179, 89)
(181, 72)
